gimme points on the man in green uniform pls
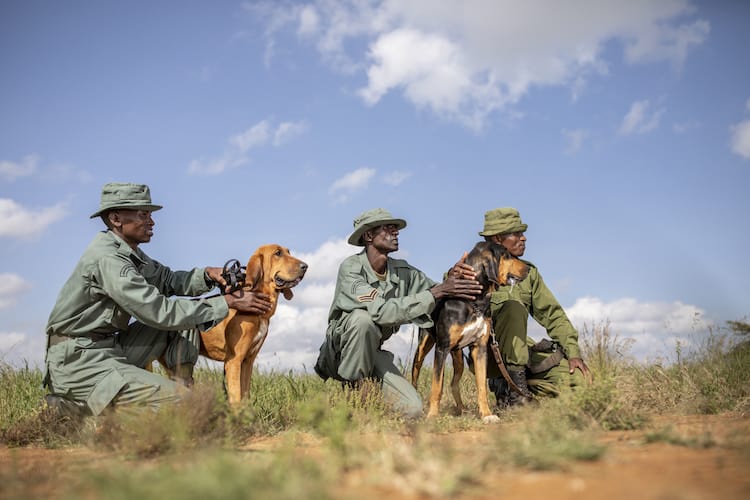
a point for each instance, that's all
(374, 296)
(545, 369)
(96, 357)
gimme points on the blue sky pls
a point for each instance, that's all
(622, 136)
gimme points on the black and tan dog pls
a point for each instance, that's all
(461, 323)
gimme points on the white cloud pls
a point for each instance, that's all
(309, 21)
(17, 221)
(19, 349)
(660, 41)
(686, 126)
(235, 153)
(465, 60)
(396, 177)
(298, 327)
(351, 183)
(215, 166)
(256, 135)
(11, 170)
(641, 119)
(575, 139)
(324, 262)
(740, 136)
(287, 131)
(11, 285)
(653, 327)
(740, 139)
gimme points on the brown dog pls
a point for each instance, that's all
(237, 340)
(461, 323)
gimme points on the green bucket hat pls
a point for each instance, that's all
(501, 221)
(370, 219)
(125, 195)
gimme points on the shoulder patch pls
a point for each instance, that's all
(126, 269)
(369, 297)
(357, 284)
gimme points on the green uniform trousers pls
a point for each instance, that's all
(358, 341)
(510, 322)
(110, 372)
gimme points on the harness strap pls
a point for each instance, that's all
(549, 362)
(553, 348)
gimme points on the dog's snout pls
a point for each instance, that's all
(303, 266)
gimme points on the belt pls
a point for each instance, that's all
(56, 338)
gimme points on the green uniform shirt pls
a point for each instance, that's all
(404, 296)
(543, 307)
(113, 283)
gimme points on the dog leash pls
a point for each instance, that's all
(499, 360)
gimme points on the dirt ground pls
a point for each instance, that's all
(631, 468)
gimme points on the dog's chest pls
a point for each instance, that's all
(260, 337)
(466, 334)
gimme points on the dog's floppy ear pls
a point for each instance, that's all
(254, 271)
(288, 293)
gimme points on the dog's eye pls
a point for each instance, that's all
(277, 253)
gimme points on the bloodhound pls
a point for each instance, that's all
(461, 323)
(238, 338)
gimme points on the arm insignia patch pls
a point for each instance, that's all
(369, 297)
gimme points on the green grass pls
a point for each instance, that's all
(196, 448)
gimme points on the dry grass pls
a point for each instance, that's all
(358, 437)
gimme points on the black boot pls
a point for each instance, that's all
(519, 378)
(183, 374)
(65, 407)
(499, 387)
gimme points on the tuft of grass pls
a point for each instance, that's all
(21, 393)
(709, 380)
(670, 436)
(545, 441)
(215, 474)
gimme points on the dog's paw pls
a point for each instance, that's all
(490, 419)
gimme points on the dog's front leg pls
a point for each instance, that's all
(479, 354)
(426, 342)
(246, 375)
(232, 376)
(458, 371)
(437, 381)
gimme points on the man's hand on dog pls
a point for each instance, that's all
(460, 283)
(463, 270)
(248, 302)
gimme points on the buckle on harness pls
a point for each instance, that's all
(234, 274)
